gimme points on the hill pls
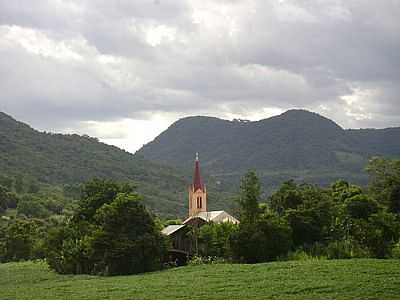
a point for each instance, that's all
(297, 144)
(318, 279)
(58, 159)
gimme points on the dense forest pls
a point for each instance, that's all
(89, 208)
(109, 231)
(297, 145)
(59, 161)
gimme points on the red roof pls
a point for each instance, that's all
(197, 182)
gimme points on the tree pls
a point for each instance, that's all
(7, 199)
(214, 239)
(96, 193)
(265, 240)
(308, 209)
(360, 207)
(19, 184)
(32, 206)
(3, 199)
(127, 239)
(342, 190)
(110, 233)
(6, 182)
(21, 240)
(384, 183)
(287, 197)
(33, 187)
(250, 193)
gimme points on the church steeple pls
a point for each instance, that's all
(197, 182)
(197, 191)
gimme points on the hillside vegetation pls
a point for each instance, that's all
(297, 144)
(58, 159)
(318, 279)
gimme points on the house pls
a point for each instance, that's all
(180, 235)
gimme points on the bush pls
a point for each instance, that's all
(396, 251)
(21, 239)
(214, 239)
(346, 249)
(205, 260)
(300, 254)
(265, 240)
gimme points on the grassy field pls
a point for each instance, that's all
(340, 279)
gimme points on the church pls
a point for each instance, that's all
(197, 217)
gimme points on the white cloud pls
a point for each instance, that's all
(101, 66)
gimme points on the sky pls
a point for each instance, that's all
(123, 71)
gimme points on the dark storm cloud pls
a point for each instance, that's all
(64, 62)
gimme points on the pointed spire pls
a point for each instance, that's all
(197, 182)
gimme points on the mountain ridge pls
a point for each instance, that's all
(295, 143)
(59, 159)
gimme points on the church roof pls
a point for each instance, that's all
(170, 229)
(197, 182)
(216, 216)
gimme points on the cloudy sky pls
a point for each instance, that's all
(123, 71)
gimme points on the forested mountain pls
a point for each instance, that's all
(297, 144)
(58, 159)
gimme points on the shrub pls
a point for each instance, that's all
(346, 249)
(265, 240)
(300, 254)
(396, 251)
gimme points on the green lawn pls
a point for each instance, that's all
(340, 279)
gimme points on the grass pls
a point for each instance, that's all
(320, 279)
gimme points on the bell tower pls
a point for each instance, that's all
(197, 192)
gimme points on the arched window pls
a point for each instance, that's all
(201, 204)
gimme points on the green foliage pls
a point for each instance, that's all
(206, 260)
(308, 209)
(342, 190)
(96, 193)
(21, 239)
(6, 182)
(7, 199)
(111, 233)
(360, 207)
(32, 206)
(396, 251)
(265, 240)
(287, 197)
(347, 248)
(385, 182)
(382, 233)
(250, 193)
(33, 159)
(19, 184)
(302, 255)
(297, 144)
(214, 239)
(126, 239)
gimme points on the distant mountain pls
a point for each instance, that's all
(297, 144)
(67, 159)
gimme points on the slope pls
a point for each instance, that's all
(297, 144)
(59, 159)
(317, 279)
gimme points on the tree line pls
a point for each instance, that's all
(109, 231)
